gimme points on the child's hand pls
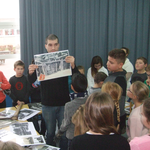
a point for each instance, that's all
(148, 82)
(19, 102)
(32, 68)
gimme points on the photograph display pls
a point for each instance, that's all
(52, 65)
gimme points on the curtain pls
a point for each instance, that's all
(85, 27)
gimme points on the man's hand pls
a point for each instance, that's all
(71, 60)
(32, 68)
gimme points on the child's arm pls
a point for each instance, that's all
(4, 83)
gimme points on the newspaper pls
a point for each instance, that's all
(23, 129)
(35, 106)
(7, 114)
(25, 114)
(44, 147)
(7, 122)
(52, 65)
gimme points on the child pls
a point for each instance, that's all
(81, 69)
(79, 85)
(128, 67)
(20, 86)
(98, 81)
(10, 146)
(102, 133)
(138, 92)
(96, 66)
(143, 142)
(4, 84)
(147, 82)
(115, 91)
(116, 59)
(140, 74)
(79, 121)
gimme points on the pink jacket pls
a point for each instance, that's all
(140, 143)
(4, 85)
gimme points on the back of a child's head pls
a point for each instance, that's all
(126, 49)
(79, 121)
(10, 146)
(79, 82)
(81, 69)
(143, 59)
(146, 109)
(140, 90)
(19, 63)
(113, 89)
(99, 109)
(99, 77)
(118, 54)
(148, 67)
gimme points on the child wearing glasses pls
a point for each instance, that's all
(147, 82)
(143, 142)
(96, 66)
(138, 92)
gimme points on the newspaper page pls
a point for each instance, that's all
(52, 65)
(7, 114)
(25, 114)
(23, 129)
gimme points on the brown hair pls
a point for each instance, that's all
(126, 49)
(147, 68)
(79, 121)
(100, 76)
(10, 146)
(99, 109)
(146, 108)
(95, 60)
(19, 63)
(143, 59)
(118, 54)
(115, 91)
(51, 37)
(141, 90)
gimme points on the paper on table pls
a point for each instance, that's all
(23, 129)
(25, 114)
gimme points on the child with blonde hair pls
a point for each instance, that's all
(115, 91)
(79, 121)
(10, 146)
(138, 92)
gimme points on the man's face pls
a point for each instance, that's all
(113, 65)
(19, 71)
(52, 46)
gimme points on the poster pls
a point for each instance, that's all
(52, 65)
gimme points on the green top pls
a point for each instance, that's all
(148, 87)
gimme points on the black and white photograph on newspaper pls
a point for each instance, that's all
(52, 65)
